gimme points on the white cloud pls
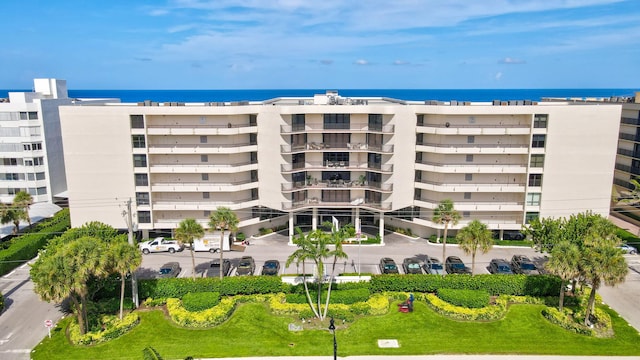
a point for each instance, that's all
(498, 75)
(361, 62)
(509, 60)
(401, 62)
(181, 28)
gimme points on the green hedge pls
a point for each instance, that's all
(25, 247)
(467, 298)
(521, 285)
(110, 306)
(200, 301)
(233, 285)
(337, 296)
(112, 325)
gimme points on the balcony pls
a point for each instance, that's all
(314, 203)
(474, 129)
(475, 167)
(321, 129)
(626, 152)
(629, 137)
(471, 187)
(202, 186)
(203, 148)
(473, 148)
(630, 121)
(336, 185)
(197, 129)
(202, 205)
(475, 205)
(182, 168)
(332, 147)
(336, 165)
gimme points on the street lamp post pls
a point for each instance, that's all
(332, 328)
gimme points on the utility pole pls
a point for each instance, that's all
(134, 281)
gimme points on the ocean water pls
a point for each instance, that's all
(404, 94)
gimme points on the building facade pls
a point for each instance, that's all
(303, 161)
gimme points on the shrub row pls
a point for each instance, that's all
(565, 321)
(235, 285)
(200, 319)
(337, 297)
(492, 312)
(26, 247)
(113, 328)
(530, 285)
(377, 304)
(110, 305)
(465, 298)
(200, 301)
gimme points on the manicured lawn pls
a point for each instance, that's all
(252, 331)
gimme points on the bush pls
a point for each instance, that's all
(531, 285)
(234, 285)
(337, 296)
(265, 231)
(241, 236)
(200, 319)
(112, 325)
(465, 298)
(110, 306)
(26, 247)
(200, 301)
(565, 320)
(492, 312)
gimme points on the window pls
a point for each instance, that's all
(28, 163)
(253, 139)
(467, 195)
(254, 194)
(38, 161)
(419, 157)
(375, 122)
(139, 160)
(207, 213)
(336, 121)
(469, 158)
(31, 115)
(471, 139)
(40, 176)
(417, 194)
(540, 121)
(142, 180)
(468, 177)
(137, 121)
(421, 120)
(10, 162)
(203, 139)
(144, 217)
(530, 216)
(138, 141)
(537, 160)
(254, 175)
(11, 176)
(42, 190)
(297, 122)
(533, 199)
(538, 140)
(205, 177)
(253, 157)
(535, 179)
(26, 147)
(36, 146)
(420, 139)
(205, 195)
(466, 214)
(253, 120)
(418, 176)
(142, 198)
(204, 158)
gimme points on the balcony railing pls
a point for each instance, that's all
(471, 164)
(630, 137)
(475, 145)
(315, 202)
(321, 128)
(203, 165)
(336, 165)
(336, 185)
(327, 147)
(626, 152)
(199, 126)
(630, 121)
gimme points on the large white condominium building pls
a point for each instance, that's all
(31, 143)
(302, 161)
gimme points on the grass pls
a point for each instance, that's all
(253, 331)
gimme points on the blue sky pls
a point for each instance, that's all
(264, 44)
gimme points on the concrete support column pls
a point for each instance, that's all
(501, 234)
(314, 219)
(290, 228)
(145, 234)
(381, 228)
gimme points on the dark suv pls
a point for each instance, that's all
(499, 266)
(453, 265)
(246, 266)
(522, 265)
(215, 268)
(388, 266)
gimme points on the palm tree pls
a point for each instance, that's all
(186, 233)
(23, 200)
(473, 237)
(125, 259)
(337, 237)
(445, 214)
(305, 251)
(565, 263)
(631, 197)
(223, 219)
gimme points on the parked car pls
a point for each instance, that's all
(509, 235)
(271, 267)
(411, 266)
(160, 244)
(521, 264)
(628, 249)
(433, 266)
(500, 266)
(169, 270)
(215, 268)
(454, 265)
(388, 266)
(246, 266)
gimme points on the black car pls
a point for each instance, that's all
(271, 267)
(499, 266)
(453, 265)
(411, 266)
(433, 266)
(388, 266)
(246, 266)
(215, 268)
(521, 264)
(169, 270)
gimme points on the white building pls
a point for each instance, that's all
(301, 161)
(31, 143)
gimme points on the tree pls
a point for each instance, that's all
(473, 237)
(544, 232)
(186, 233)
(10, 214)
(445, 214)
(223, 219)
(337, 237)
(23, 200)
(124, 259)
(565, 263)
(631, 197)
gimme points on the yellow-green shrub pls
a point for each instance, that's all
(200, 319)
(113, 328)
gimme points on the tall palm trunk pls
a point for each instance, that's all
(83, 303)
(193, 261)
(319, 281)
(221, 253)
(592, 299)
(306, 290)
(333, 270)
(473, 263)
(81, 324)
(444, 242)
(122, 276)
(561, 300)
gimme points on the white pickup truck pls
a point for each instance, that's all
(160, 244)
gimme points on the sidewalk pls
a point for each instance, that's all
(441, 357)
